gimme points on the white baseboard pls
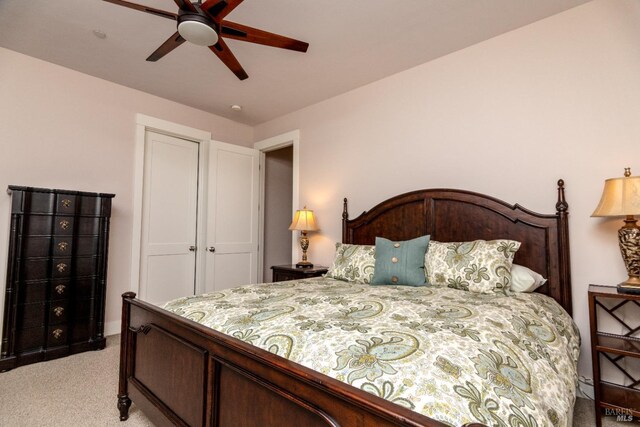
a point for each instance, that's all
(112, 328)
(585, 388)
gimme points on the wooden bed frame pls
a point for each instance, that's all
(179, 372)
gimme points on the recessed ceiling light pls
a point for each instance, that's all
(236, 107)
(100, 34)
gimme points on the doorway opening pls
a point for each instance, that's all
(290, 140)
(278, 205)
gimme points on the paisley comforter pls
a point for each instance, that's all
(451, 355)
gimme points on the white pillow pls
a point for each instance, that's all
(524, 279)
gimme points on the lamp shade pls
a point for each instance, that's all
(304, 220)
(620, 197)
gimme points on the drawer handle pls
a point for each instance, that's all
(63, 246)
(57, 333)
(60, 289)
(64, 224)
(58, 311)
(66, 203)
(61, 267)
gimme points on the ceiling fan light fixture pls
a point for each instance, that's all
(197, 30)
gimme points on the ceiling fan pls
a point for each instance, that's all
(203, 23)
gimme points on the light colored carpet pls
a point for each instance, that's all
(80, 390)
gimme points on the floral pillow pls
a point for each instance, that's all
(353, 263)
(479, 266)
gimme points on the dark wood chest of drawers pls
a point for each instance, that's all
(56, 274)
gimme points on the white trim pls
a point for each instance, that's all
(585, 388)
(201, 223)
(277, 142)
(261, 161)
(143, 124)
(173, 129)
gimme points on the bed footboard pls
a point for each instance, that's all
(181, 373)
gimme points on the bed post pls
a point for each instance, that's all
(345, 217)
(562, 210)
(126, 343)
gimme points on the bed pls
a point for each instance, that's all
(181, 372)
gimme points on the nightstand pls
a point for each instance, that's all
(621, 401)
(290, 272)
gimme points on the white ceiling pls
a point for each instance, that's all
(352, 43)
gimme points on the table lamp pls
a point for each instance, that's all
(621, 198)
(304, 221)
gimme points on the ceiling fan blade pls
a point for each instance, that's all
(223, 52)
(235, 31)
(218, 9)
(186, 5)
(172, 42)
(147, 9)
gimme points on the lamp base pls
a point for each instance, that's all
(629, 240)
(630, 286)
(304, 264)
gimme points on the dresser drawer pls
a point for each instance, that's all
(61, 268)
(84, 287)
(87, 245)
(66, 203)
(35, 269)
(81, 331)
(32, 292)
(279, 276)
(35, 246)
(35, 225)
(30, 315)
(82, 309)
(88, 225)
(29, 339)
(60, 289)
(62, 246)
(37, 202)
(58, 312)
(91, 206)
(282, 273)
(39, 246)
(56, 335)
(63, 225)
(85, 266)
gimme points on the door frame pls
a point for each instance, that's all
(277, 142)
(202, 138)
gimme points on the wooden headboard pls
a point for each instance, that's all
(457, 215)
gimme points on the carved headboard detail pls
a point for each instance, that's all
(457, 215)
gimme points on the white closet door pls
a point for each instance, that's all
(232, 220)
(169, 213)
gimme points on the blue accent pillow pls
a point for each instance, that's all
(400, 263)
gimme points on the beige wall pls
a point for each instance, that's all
(557, 99)
(63, 129)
